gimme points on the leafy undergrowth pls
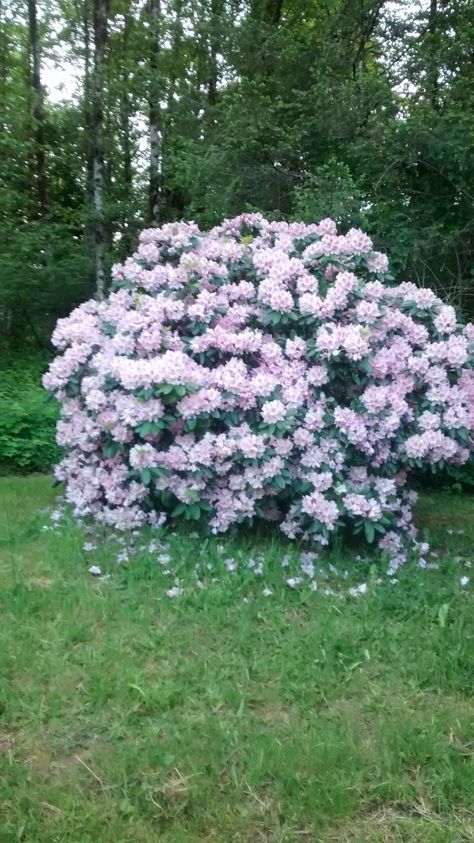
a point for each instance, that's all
(27, 420)
(229, 713)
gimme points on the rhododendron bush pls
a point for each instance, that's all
(261, 369)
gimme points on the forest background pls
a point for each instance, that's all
(353, 109)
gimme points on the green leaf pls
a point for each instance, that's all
(145, 476)
(111, 449)
(443, 614)
(165, 388)
(369, 531)
(144, 429)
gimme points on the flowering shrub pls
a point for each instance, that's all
(261, 369)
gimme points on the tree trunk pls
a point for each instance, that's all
(38, 113)
(100, 34)
(274, 10)
(216, 12)
(89, 229)
(154, 188)
(127, 173)
(4, 66)
(168, 195)
(267, 15)
(433, 72)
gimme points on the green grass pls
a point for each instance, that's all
(129, 717)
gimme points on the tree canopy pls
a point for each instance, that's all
(361, 110)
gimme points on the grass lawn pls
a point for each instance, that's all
(225, 715)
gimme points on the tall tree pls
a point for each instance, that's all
(176, 73)
(38, 112)
(88, 151)
(155, 94)
(432, 57)
(125, 108)
(100, 35)
(216, 12)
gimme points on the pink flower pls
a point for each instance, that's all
(143, 456)
(317, 506)
(273, 411)
(378, 262)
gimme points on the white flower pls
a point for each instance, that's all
(308, 569)
(273, 411)
(464, 581)
(359, 589)
(267, 592)
(293, 582)
(174, 592)
(95, 570)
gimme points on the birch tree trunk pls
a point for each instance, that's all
(168, 117)
(127, 172)
(100, 34)
(88, 149)
(38, 113)
(154, 187)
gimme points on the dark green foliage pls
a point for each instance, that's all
(462, 478)
(454, 478)
(27, 419)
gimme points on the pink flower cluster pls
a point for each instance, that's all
(262, 369)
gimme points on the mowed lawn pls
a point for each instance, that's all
(223, 714)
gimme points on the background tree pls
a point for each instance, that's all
(38, 113)
(100, 35)
(361, 110)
